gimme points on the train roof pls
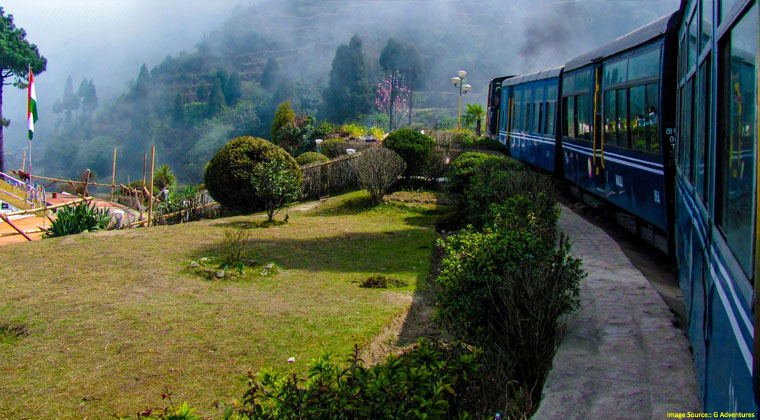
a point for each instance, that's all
(539, 75)
(631, 40)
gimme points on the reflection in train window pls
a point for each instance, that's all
(644, 65)
(737, 138)
(701, 154)
(707, 17)
(583, 118)
(550, 117)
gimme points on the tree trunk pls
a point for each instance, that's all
(393, 91)
(411, 98)
(2, 126)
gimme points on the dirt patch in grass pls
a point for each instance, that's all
(379, 281)
(9, 333)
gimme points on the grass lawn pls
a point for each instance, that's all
(103, 323)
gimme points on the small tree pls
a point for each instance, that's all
(276, 185)
(284, 116)
(163, 177)
(474, 115)
(377, 169)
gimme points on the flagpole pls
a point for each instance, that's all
(31, 185)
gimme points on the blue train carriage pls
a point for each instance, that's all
(494, 107)
(618, 128)
(717, 210)
(528, 124)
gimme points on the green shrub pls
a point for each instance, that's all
(467, 164)
(232, 249)
(335, 148)
(491, 185)
(505, 289)
(325, 130)
(282, 117)
(468, 141)
(376, 170)
(276, 184)
(78, 218)
(430, 381)
(311, 157)
(379, 281)
(414, 147)
(229, 173)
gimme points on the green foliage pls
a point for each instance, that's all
(354, 130)
(215, 102)
(468, 141)
(430, 381)
(232, 249)
(335, 148)
(465, 165)
(325, 130)
(474, 113)
(271, 75)
(171, 412)
(79, 218)
(505, 288)
(233, 89)
(377, 169)
(348, 93)
(311, 157)
(163, 177)
(296, 136)
(414, 147)
(284, 116)
(276, 184)
(379, 281)
(229, 173)
(88, 95)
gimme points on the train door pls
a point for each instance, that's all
(599, 176)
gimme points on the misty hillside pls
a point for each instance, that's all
(231, 83)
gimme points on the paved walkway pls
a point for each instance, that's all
(621, 357)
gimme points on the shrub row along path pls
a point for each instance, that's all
(621, 356)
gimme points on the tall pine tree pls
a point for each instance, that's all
(348, 94)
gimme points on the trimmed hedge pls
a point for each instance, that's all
(414, 147)
(311, 157)
(228, 175)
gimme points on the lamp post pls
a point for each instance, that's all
(459, 82)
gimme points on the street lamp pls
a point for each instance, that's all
(458, 82)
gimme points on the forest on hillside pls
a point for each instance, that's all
(326, 58)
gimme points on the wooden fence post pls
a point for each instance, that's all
(145, 159)
(86, 181)
(113, 174)
(152, 162)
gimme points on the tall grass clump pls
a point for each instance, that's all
(78, 218)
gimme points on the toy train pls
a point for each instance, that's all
(661, 124)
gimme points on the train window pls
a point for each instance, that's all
(687, 126)
(644, 65)
(692, 37)
(701, 155)
(639, 122)
(622, 118)
(550, 117)
(610, 121)
(528, 111)
(725, 8)
(583, 81)
(583, 118)
(737, 138)
(569, 126)
(538, 119)
(707, 19)
(653, 119)
(615, 72)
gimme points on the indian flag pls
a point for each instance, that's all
(31, 114)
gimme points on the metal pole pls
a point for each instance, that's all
(459, 115)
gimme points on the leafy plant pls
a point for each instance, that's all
(232, 249)
(230, 173)
(414, 147)
(311, 157)
(335, 148)
(78, 218)
(276, 184)
(379, 281)
(377, 169)
(354, 130)
(282, 117)
(474, 113)
(163, 177)
(430, 381)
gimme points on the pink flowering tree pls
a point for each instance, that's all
(392, 97)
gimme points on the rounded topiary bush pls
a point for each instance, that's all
(311, 157)
(229, 173)
(414, 147)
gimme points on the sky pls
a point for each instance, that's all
(108, 40)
